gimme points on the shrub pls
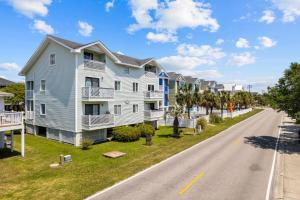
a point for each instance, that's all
(202, 122)
(215, 119)
(146, 129)
(126, 134)
(86, 143)
(297, 118)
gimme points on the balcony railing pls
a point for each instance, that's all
(97, 93)
(29, 115)
(29, 94)
(93, 64)
(97, 121)
(11, 118)
(153, 114)
(154, 95)
(150, 74)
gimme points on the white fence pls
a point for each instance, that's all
(92, 121)
(154, 95)
(191, 123)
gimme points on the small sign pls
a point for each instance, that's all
(67, 158)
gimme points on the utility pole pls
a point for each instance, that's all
(249, 88)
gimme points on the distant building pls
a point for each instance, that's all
(231, 87)
(5, 82)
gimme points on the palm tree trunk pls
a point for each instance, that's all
(207, 110)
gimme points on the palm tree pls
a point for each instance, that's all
(223, 98)
(215, 102)
(185, 97)
(207, 100)
(197, 98)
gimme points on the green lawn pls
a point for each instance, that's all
(32, 178)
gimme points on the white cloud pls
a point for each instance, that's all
(3, 77)
(267, 42)
(30, 8)
(85, 29)
(42, 27)
(161, 37)
(290, 9)
(9, 66)
(170, 16)
(109, 5)
(219, 41)
(242, 43)
(268, 17)
(241, 59)
(190, 56)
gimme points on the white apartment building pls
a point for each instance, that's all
(76, 91)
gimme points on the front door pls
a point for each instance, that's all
(92, 82)
(92, 109)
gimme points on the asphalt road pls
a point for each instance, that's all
(232, 165)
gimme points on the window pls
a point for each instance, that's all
(43, 109)
(126, 70)
(52, 59)
(117, 109)
(43, 85)
(92, 109)
(135, 87)
(117, 85)
(29, 85)
(135, 108)
(29, 106)
(88, 56)
(151, 88)
(91, 82)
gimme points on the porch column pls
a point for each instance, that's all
(23, 142)
(12, 141)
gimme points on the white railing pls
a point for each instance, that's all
(29, 94)
(161, 88)
(153, 114)
(154, 94)
(150, 74)
(11, 118)
(29, 115)
(97, 92)
(93, 64)
(97, 121)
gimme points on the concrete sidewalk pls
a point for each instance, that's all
(287, 174)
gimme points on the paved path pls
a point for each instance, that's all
(232, 165)
(287, 181)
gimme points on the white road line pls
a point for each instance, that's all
(273, 164)
(170, 158)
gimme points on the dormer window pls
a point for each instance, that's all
(88, 56)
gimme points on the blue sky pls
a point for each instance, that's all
(247, 42)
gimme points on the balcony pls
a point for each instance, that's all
(29, 94)
(150, 115)
(93, 64)
(150, 74)
(154, 95)
(8, 119)
(97, 93)
(93, 122)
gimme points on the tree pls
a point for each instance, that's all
(207, 100)
(17, 101)
(223, 99)
(185, 98)
(286, 93)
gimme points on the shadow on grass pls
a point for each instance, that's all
(288, 143)
(6, 153)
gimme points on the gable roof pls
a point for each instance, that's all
(5, 82)
(190, 79)
(175, 76)
(75, 47)
(131, 60)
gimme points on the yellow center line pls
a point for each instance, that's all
(191, 183)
